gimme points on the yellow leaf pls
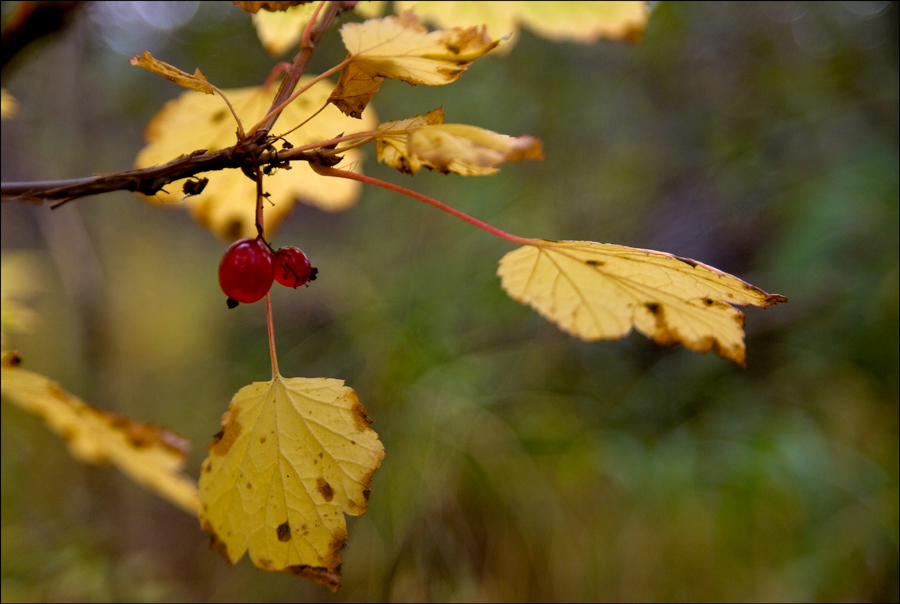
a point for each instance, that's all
(598, 291)
(148, 454)
(370, 8)
(402, 49)
(279, 30)
(227, 205)
(585, 22)
(196, 82)
(391, 144)
(407, 145)
(581, 22)
(294, 455)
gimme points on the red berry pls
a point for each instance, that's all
(292, 267)
(246, 271)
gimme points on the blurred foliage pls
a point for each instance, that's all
(521, 464)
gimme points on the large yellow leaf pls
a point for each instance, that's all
(598, 291)
(408, 145)
(228, 203)
(148, 454)
(581, 22)
(294, 455)
(402, 49)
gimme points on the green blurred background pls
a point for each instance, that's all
(521, 464)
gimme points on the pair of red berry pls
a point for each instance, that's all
(249, 267)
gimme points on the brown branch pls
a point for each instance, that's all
(149, 181)
(247, 155)
(298, 65)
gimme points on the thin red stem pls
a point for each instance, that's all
(271, 324)
(326, 171)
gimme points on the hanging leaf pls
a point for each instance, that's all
(402, 49)
(148, 454)
(408, 145)
(196, 82)
(599, 291)
(294, 455)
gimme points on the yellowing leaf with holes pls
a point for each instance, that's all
(148, 454)
(408, 145)
(581, 22)
(294, 455)
(228, 203)
(598, 291)
(402, 49)
(196, 82)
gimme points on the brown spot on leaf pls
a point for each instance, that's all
(325, 489)
(450, 73)
(663, 334)
(223, 440)
(216, 543)
(218, 116)
(284, 531)
(594, 262)
(264, 564)
(10, 359)
(317, 574)
(262, 439)
(360, 415)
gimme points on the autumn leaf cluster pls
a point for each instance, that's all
(294, 455)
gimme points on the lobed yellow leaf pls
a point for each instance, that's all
(196, 82)
(401, 48)
(580, 22)
(149, 454)
(408, 145)
(294, 455)
(227, 205)
(599, 291)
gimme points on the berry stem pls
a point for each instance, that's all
(271, 324)
(326, 171)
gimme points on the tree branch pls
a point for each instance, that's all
(298, 65)
(150, 181)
